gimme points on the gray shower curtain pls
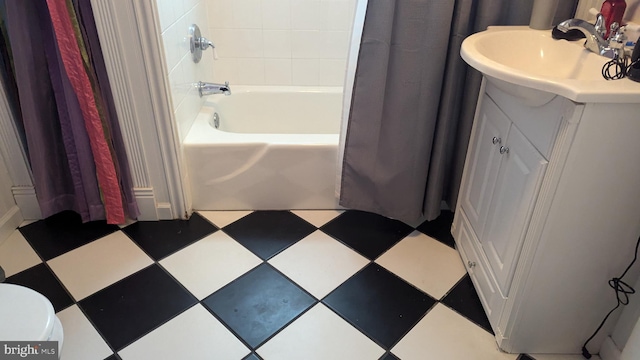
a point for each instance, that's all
(413, 103)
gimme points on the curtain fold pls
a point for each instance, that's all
(92, 43)
(73, 64)
(47, 155)
(76, 151)
(413, 103)
(86, 199)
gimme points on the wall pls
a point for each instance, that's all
(633, 11)
(631, 14)
(175, 18)
(280, 42)
(10, 216)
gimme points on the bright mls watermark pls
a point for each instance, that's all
(19, 350)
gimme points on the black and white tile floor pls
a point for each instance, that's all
(255, 285)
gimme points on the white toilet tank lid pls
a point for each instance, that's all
(26, 314)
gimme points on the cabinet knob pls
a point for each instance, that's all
(471, 264)
(496, 140)
(504, 149)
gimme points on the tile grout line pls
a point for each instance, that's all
(75, 302)
(264, 261)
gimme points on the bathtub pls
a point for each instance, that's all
(275, 147)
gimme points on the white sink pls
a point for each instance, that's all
(518, 55)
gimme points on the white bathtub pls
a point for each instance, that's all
(276, 148)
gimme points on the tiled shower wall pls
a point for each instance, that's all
(175, 18)
(280, 42)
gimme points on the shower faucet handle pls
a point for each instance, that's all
(198, 43)
(203, 43)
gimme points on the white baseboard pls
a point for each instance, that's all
(146, 200)
(150, 210)
(164, 211)
(25, 198)
(609, 350)
(10, 222)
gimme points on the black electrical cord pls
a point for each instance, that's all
(619, 65)
(623, 290)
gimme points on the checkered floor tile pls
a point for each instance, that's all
(254, 285)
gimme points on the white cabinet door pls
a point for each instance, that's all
(516, 190)
(484, 283)
(480, 176)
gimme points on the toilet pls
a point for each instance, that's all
(27, 316)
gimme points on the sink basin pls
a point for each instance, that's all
(518, 55)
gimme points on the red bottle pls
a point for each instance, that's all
(612, 10)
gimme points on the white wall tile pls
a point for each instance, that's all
(187, 111)
(224, 40)
(219, 14)
(170, 44)
(334, 44)
(166, 15)
(182, 33)
(305, 44)
(277, 32)
(250, 71)
(247, 14)
(277, 71)
(331, 72)
(176, 81)
(273, 42)
(199, 16)
(304, 72)
(189, 71)
(277, 44)
(249, 43)
(336, 15)
(190, 4)
(175, 18)
(225, 70)
(276, 14)
(239, 43)
(204, 70)
(180, 115)
(305, 15)
(179, 8)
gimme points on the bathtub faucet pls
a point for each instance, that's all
(205, 88)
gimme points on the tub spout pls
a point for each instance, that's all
(205, 88)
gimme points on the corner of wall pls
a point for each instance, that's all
(175, 19)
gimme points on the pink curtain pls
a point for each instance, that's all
(73, 64)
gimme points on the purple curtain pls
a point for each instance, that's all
(59, 149)
(92, 43)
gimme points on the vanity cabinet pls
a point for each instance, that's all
(503, 180)
(539, 191)
(500, 184)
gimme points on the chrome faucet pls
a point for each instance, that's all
(595, 40)
(206, 88)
